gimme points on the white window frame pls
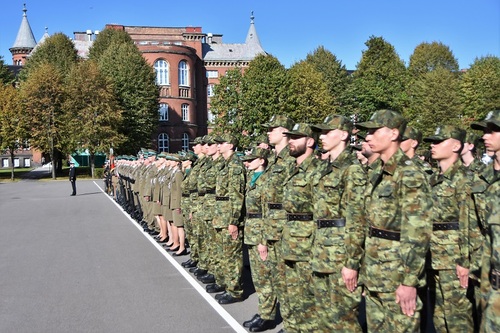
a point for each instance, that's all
(183, 73)
(185, 112)
(212, 74)
(163, 142)
(163, 111)
(185, 141)
(210, 90)
(162, 72)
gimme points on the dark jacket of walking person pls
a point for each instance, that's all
(72, 177)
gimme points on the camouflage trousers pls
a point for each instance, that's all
(452, 310)
(336, 306)
(228, 264)
(383, 314)
(302, 316)
(207, 246)
(261, 272)
(491, 313)
(277, 278)
(192, 235)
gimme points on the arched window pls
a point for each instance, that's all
(185, 142)
(163, 142)
(185, 112)
(161, 70)
(163, 111)
(183, 73)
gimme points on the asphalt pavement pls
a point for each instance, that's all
(81, 264)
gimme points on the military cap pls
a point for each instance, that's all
(279, 121)
(492, 118)
(197, 140)
(301, 129)
(384, 118)
(412, 133)
(227, 137)
(261, 138)
(161, 155)
(446, 132)
(256, 152)
(209, 139)
(173, 157)
(188, 155)
(473, 138)
(152, 152)
(334, 122)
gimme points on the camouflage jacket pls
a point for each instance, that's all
(298, 233)
(229, 193)
(207, 187)
(491, 247)
(339, 194)
(254, 226)
(452, 202)
(398, 200)
(273, 181)
(194, 181)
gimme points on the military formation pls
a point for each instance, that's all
(334, 216)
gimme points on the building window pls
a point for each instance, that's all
(185, 142)
(185, 112)
(210, 90)
(163, 142)
(212, 74)
(183, 73)
(163, 111)
(161, 70)
(210, 117)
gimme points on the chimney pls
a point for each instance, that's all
(209, 36)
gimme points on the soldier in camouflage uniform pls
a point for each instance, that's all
(298, 231)
(227, 221)
(188, 185)
(412, 138)
(490, 213)
(469, 152)
(256, 242)
(279, 164)
(454, 222)
(194, 204)
(397, 209)
(339, 236)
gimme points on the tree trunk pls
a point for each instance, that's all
(92, 166)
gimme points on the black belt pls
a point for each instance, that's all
(445, 226)
(193, 191)
(211, 191)
(299, 217)
(337, 223)
(495, 279)
(385, 234)
(274, 205)
(254, 215)
(221, 198)
(201, 194)
(185, 195)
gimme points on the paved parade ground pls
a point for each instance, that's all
(80, 264)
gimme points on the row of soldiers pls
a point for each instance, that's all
(325, 228)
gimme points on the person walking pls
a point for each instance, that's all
(72, 177)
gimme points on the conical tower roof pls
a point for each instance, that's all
(252, 37)
(25, 38)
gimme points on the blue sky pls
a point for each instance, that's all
(289, 30)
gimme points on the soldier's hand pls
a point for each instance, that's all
(262, 251)
(463, 276)
(406, 297)
(350, 277)
(233, 231)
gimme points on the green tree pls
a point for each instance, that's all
(226, 103)
(379, 81)
(43, 95)
(12, 132)
(334, 74)
(309, 99)
(435, 100)
(6, 76)
(92, 115)
(105, 38)
(57, 50)
(480, 89)
(263, 93)
(428, 56)
(134, 85)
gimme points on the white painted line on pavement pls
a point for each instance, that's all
(215, 305)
